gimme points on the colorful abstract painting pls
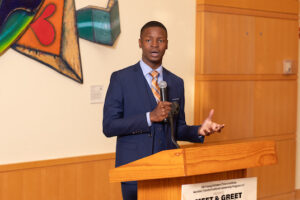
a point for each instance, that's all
(52, 39)
(100, 25)
(52, 36)
(15, 16)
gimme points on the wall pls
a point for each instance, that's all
(298, 133)
(246, 85)
(44, 115)
(298, 139)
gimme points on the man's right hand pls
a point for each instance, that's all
(161, 111)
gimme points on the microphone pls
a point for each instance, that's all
(174, 110)
(163, 90)
(163, 93)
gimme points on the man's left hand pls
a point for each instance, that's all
(209, 127)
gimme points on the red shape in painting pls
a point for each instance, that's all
(42, 28)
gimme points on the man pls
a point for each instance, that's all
(134, 112)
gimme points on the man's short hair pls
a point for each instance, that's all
(153, 24)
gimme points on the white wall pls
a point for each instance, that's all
(44, 115)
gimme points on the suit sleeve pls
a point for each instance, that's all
(185, 132)
(114, 122)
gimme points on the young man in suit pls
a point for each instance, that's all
(134, 112)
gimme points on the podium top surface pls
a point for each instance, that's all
(197, 161)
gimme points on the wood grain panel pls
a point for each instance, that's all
(297, 195)
(165, 164)
(233, 104)
(240, 50)
(48, 177)
(207, 143)
(226, 157)
(280, 178)
(248, 108)
(247, 12)
(199, 43)
(274, 108)
(86, 181)
(288, 196)
(246, 77)
(275, 40)
(32, 187)
(202, 160)
(11, 185)
(113, 190)
(163, 189)
(68, 180)
(236, 44)
(285, 6)
(228, 44)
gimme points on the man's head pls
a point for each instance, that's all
(154, 42)
(153, 24)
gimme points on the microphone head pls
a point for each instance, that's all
(162, 84)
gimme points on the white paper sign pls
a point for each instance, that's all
(97, 94)
(241, 189)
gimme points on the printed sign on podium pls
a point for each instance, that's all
(241, 189)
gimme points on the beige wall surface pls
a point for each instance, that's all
(44, 115)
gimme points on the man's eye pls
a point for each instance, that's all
(160, 41)
(148, 40)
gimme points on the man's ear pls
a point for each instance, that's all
(167, 45)
(140, 43)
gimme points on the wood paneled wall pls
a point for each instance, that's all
(240, 49)
(284, 6)
(297, 195)
(79, 178)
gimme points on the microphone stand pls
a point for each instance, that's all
(174, 111)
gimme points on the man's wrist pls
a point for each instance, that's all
(148, 119)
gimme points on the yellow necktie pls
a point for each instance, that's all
(154, 85)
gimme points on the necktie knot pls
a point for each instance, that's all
(154, 74)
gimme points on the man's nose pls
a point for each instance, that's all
(154, 43)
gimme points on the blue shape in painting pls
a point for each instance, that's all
(99, 25)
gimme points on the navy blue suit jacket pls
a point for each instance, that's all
(127, 101)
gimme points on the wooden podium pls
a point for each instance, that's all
(161, 175)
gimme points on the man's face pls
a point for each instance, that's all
(154, 43)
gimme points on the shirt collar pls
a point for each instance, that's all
(147, 69)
